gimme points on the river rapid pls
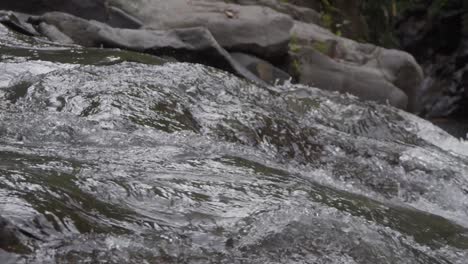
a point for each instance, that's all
(109, 156)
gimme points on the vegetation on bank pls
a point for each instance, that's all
(374, 20)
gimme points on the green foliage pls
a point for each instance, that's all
(322, 47)
(295, 68)
(381, 16)
(437, 6)
(294, 45)
(331, 17)
(327, 20)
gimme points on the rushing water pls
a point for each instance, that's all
(115, 157)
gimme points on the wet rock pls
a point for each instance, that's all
(120, 19)
(254, 29)
(54, 34)
(188, 44)
(8, 238)
(8, 258)
(365, 70)
(342, 16)
(182, 163)
(89, 9)
(318, 70)
(261, 68)
(17, 22)
(299, 13)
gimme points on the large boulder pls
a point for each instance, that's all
(255, 29)
(343, 16)
(99, 10)
(259, 30)
(194, 44)
(317, 69)
(299, 13)
(90, 9)
(364, 69)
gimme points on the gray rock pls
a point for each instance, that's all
(194, 44)
(254, 29)
(299, 13)
(261, 68)
(17, 22)
(8, 258)
(118, 18)
(8, 239)
(319, 70)
(366, 70)
(54, 34)
(89, 9)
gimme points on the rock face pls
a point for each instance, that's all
(299, 13)
(341, 15)
(319, 70)
(258, 30)
(182, 163)
(253, 29)
(344, 65)
(89, 9)
(188, 44)
(235, 27)
(205, 31)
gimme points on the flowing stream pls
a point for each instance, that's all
(109, 156)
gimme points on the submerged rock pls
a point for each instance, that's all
(7, 238)
(127, 162)
(10, 241)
